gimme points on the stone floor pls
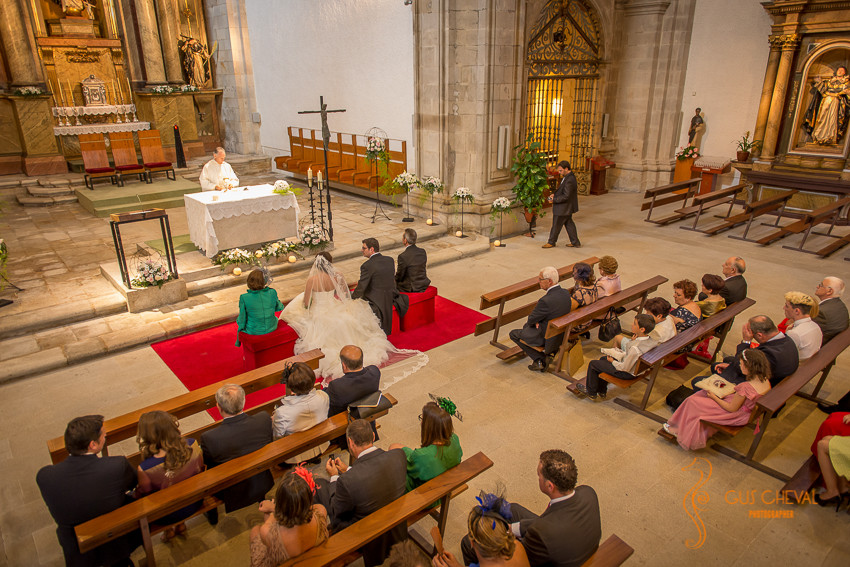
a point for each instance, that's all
(510, 413)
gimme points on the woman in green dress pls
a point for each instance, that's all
(257, 307)
(440, 448)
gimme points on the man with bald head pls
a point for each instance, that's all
(735, 286)
(217, 174)
(356, 383)
(832, 315)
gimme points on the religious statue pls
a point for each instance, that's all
(697, 128)
(196, 61)
(826, 118)
(75, 8)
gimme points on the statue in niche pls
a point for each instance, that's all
(696, 129)
(826, 118)
(76, 8)
(196, 61)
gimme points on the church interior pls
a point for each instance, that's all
(713, 112)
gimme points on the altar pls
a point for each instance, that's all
(220, 220)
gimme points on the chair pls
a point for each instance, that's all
(124, 155)
(95, 160)
(153, 156)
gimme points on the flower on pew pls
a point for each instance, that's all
(312, 237)
(281, 187)
(447, 406)
(407, 182)
(463, 194)
(151, 273)
(307, 476)
(687, 152)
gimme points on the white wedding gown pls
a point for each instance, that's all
(330, 324)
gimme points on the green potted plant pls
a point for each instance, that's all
(529, 169)
(745, 145)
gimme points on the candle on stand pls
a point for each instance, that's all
(320, 177)
(129, 91)
(71, 89)
(309, 176)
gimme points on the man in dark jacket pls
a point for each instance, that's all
(377, 283)
(734, 284)
(85, 486)
(554, 303)
(411, 275)
(356, 383)
(564, 206)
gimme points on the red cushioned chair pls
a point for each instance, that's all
(124, 155)
(95, 160)
(152, 155)
(260, 350)
(421, 311)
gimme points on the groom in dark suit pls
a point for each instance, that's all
(555, 303)
(377, 283)
(564, 205)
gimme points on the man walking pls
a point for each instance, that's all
(565, 204)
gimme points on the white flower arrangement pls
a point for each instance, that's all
(501, 204)
(375, 145)
(189, 89)
(407, 181)
(463, 194)
(376, 150)
(266, 252)
(151, 273)
(432, 185)
(282, 187)
(312, 236)
(28, 91)
(161, 89)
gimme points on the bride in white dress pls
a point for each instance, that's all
(325, 317)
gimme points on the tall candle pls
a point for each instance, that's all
(71, 89)
(129, 90)
(114, 93)
(310, 176)
(320, 176)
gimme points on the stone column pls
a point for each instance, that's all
(151, 48)
(167, 12)
(767, 90)
(23, 69)
(777, 101)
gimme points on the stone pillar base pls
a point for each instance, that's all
(44, 165)
(10, 165)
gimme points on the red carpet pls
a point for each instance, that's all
(209, 356)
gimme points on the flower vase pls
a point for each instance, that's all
(683, 170)
(499, 243)
(742, 156)
(531, 219)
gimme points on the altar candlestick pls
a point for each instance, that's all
(309, 176)
(70, 88)
(320, 177)
(114, 93)
(129, 90)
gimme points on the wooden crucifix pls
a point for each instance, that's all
(326, 138)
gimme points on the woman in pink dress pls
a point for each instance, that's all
(734, 409)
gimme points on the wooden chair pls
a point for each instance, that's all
(152, 155)
(96, 162)
(124, 155)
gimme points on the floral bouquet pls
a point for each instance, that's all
(151, 273)
(500, 205)
(277, 249)
(463, 194)
(312, 236)
(407, 181)
(189, 89)
(281, 187)
(233, 256)
(28, 91)
(432, 185)
(687, 152)
(376, 150)
(161, 89)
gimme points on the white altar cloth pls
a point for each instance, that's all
(220, 220)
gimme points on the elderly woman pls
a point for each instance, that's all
(687, 313)
(609, 281)
(585, 291)
(712, 285)
(257, 307)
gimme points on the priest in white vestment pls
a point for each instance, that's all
(217, 173)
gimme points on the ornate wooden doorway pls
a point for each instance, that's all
(562, 58)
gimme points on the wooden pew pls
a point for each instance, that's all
(126, 426)
(361, 164)
(828, 213)
(288, 162)
(143, 512)
(411, 505)
(709, 200)
(347, 157)
(653, 198)
(752, 211)
(777, 397)
(310, 152)
(611, 553)
(651, 363)
(632, 298)
(803, 480)
(505, 294)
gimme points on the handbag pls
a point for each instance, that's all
(678, 396)
(368, 406)
(610, 327)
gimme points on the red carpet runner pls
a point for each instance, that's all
(208, 356)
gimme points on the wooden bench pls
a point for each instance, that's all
(651, 363)
(675, 192)
(261, 350)
(752, 211)
(501, 296)
(769, 404)
(611, 553)
(702, 203)
(344, 544)
(126, 426)
(828, 213)
(631, 298)
(806, 477)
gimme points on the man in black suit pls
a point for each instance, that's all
(411, 275)
(356, 383)
(832, 318)
(238, 434)
(554, 303)
(780, 350)
(567, 533)
(564, 206)
(376, 478)
(85, 486)
(734, 284)
(377, 283)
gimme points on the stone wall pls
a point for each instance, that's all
(228, 25)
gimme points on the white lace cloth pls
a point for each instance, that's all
(220, 220)
(93, 110)
(100, 128)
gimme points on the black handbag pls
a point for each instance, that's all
(678, 396)
(368, 406)
(610, 327)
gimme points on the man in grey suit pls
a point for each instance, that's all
(377, 283)
(832, 318)
(567, 533)
(555, 303)
(565, 205)
(411, 275)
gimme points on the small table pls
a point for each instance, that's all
(219, 220)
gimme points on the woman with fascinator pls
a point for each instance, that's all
(490, 535)
(325, 317)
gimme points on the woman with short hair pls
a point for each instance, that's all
(257, 307)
